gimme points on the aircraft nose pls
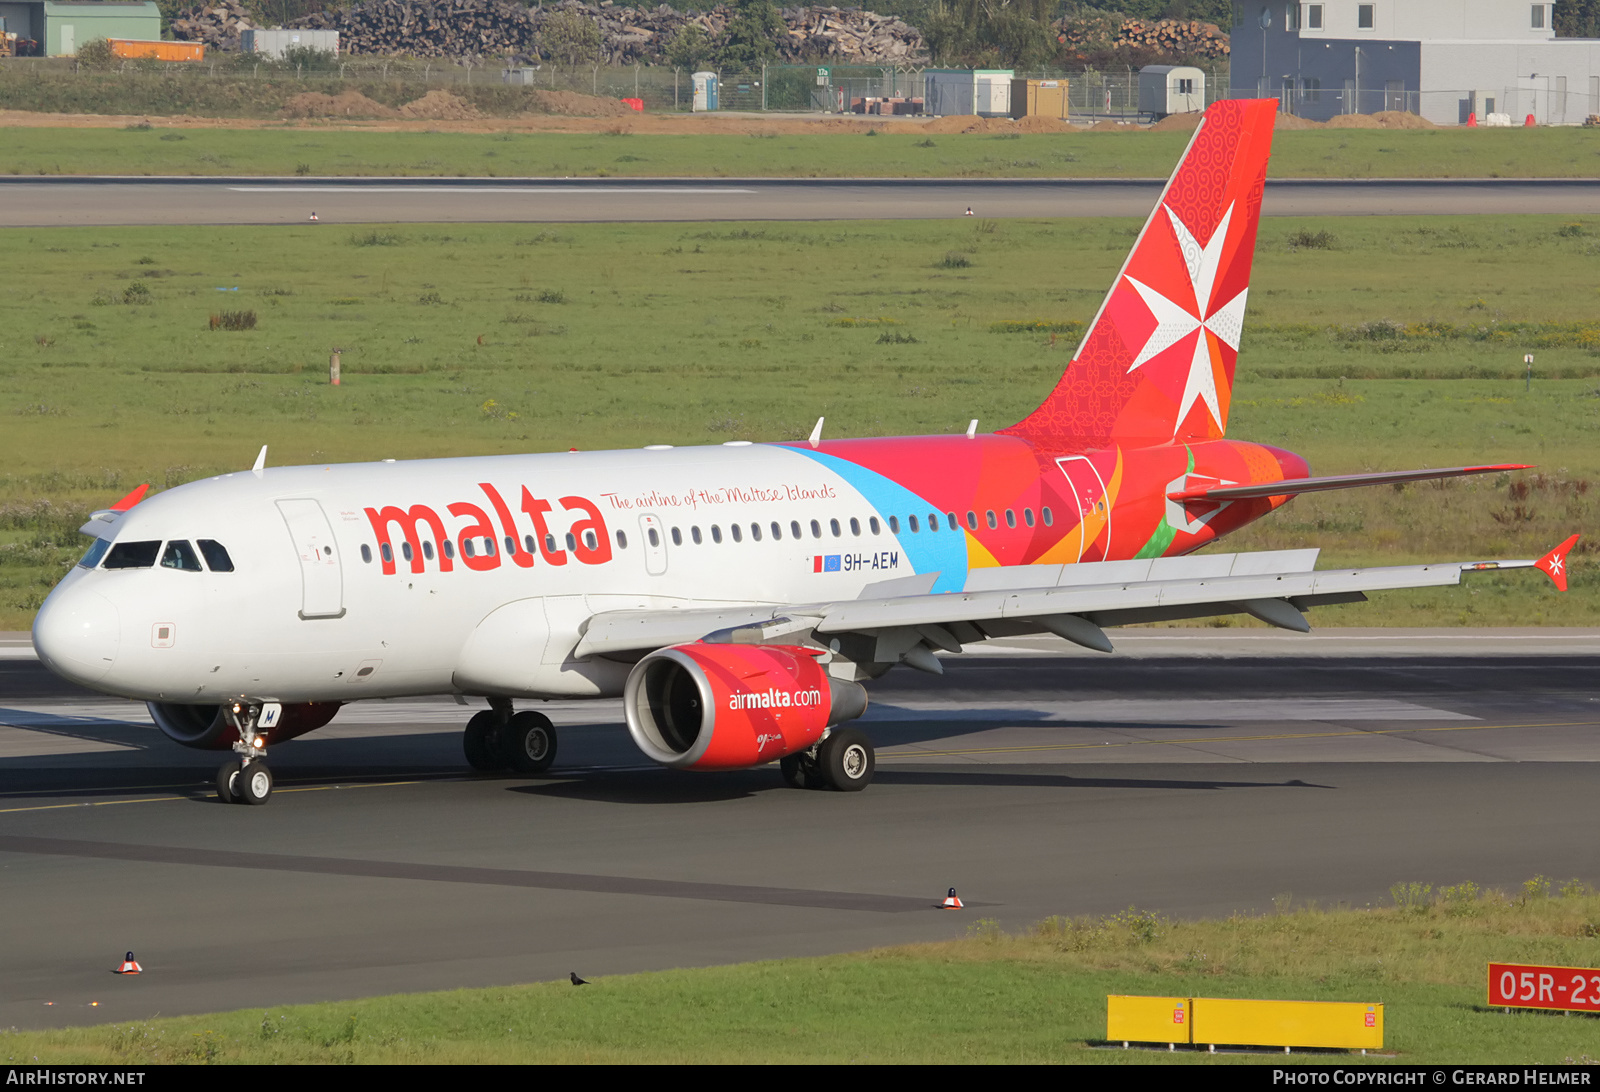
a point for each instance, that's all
(76, 635)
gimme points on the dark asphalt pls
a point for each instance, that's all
(35, 202)
(382, 866)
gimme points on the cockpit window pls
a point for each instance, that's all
(180, 555)
(216, 555)
(133, 555)
(96, 552)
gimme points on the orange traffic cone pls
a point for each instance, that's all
(1529, 123)
(1472, 121)
(950, 902)
(129, 966)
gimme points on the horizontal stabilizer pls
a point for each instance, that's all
(1554, 563)
(1337, 481)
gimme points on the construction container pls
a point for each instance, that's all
(161, 51)
(525, 76)
(982, 91)
(275, 43)
(1171, 89)
(1039, 98)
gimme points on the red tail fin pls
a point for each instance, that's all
(1157, 362)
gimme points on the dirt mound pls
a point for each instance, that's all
(1289, 121)
(1113, 127)
(1399, 119)
(576, 105)
(346, 104)
(1353, 121)
(440, 105)
(1038, 124)
(1178, 123)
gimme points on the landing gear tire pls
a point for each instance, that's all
(800, 771)
(847, 760)
(254, 784)
(530, 743)
(481, 744)
(228, 782)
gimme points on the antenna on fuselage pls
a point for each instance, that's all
(261, 461)
(816, 433)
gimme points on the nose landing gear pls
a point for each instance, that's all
(247, 779)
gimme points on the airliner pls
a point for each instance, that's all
(737, 596)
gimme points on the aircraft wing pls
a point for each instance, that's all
(1293, 486)
(1072, 601)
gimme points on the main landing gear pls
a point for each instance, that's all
(844, 760)
(499, 739)
(247, 779)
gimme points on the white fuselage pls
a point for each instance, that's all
(331, 599)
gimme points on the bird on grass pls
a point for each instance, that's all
(576, 981)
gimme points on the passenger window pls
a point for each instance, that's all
(777, 532)
(97, 550)
(894, 524)
(912, 522)
(133, 555)
(449, 549)
(527, 544)
(1027, 516)
(794, 528)
(655, 539)
(716, 534)
(427, 550)
(622, 540)
(216, 555)
(989, 516)
(572, 543)
(488, 547)
(972, 520)
(549, 544)
(933, 521)
(816, 529)
(677, 537)
(405, 550)
(833, 525)
(1048, 518)
(467, 549)
(366, 554)
(694, 533)
(855, 526)
(511, 545)
(1011, 518)
(388, 554)
(755, 532)
(738, 535)
(950, 520)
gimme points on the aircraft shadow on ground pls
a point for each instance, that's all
(93, 729)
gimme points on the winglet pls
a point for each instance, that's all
(131, 499)
(261, 461)
(1554, 563)
(816, 433)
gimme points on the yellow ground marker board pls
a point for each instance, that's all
(1219, 1021)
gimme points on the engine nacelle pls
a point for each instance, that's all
(727, 707)
(205, 728)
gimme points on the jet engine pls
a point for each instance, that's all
(723, 707)
(205, 728)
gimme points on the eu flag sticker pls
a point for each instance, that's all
(830, 563)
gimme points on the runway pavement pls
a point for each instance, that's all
(1195, 772)
(30, 202)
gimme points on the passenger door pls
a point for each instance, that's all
(321, 580)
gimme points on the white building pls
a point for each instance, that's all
(1443, 59)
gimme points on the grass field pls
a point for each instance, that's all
(1373, 344)
(326, 151)
(989, 997)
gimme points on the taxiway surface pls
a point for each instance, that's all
(215, 201)
(1196, 772)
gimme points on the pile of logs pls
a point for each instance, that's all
(216, 24)
(474, 29)
(1165, 37)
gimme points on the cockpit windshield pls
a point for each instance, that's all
(133, 555)
(179, 554)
